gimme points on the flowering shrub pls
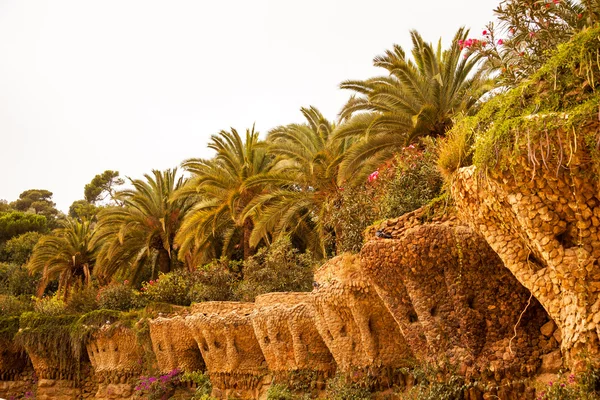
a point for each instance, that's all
(172, 288)
(119, 296)
(414, 181)
(583, 387)
(528, 32)
(159, 387)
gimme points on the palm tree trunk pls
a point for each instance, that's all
(164, 261)
(247, 229)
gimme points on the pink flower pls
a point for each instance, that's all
(373, 176)
(500, 42)
(126, 282)
(485, 33)
(531, 34)
(556, 1)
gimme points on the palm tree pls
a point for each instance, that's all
(68, 254)
(141, 231)
(418, 98)
(303, 178)
(215, 225)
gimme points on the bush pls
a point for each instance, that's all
(18, 249)
(83, 300)
(10, 306)
(415, 183)
(216, 281)
(202, 382)
(456, 149)
(586, 386)
(16, 281)
(340, 388)
(172, 288)
(278, 268)
(158, 387)
(280, 392)
(50, 306)
(349, 214)
(119, 296)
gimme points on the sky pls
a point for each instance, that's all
(137, 85)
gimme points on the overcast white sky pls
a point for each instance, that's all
(136, 85)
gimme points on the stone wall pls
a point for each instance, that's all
(454, 301)
(354, 323)
(174, 345)
(117, 361)
(284, 324)
(233, 357)
(543, 220)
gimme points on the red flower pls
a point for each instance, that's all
(485, 33)
(500, 42)
(373, 176)
(556, 1)
(579, 16)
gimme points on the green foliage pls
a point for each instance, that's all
(202, 382)
(303, 178)
(18, 249)
(216, 225)
(456, 149)
(280, 392)
(82, 300)
(13, 306)
(101, 187)
(341, 388)
(50, 306)
(528, 33)
(277, 268)
(119, 296)
(585, 386)
(416, 181)
(81, 209)
(38, 201)
(142, 230)
(416, 98)
(559, 96)
(15, 280)
(48, 334)
(68, 254)
(350, 212)
(15, 223)
(216, 281)
(172, 288)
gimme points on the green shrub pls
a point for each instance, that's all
(215, 281)
(415, 182)
(585, 386)
(349, 214)
(18, 249)
(16, 281)
(456, 149)
(203, 384)
(278, 268)
(82, 300)
(12, 306)
(280, 392)
(50, 306)
(119, 296)
(172, 288)
(341, 388)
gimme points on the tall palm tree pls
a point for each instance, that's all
(141, 231)
(215, 225)
(303, 178)
(67, 254)
(418, 98)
